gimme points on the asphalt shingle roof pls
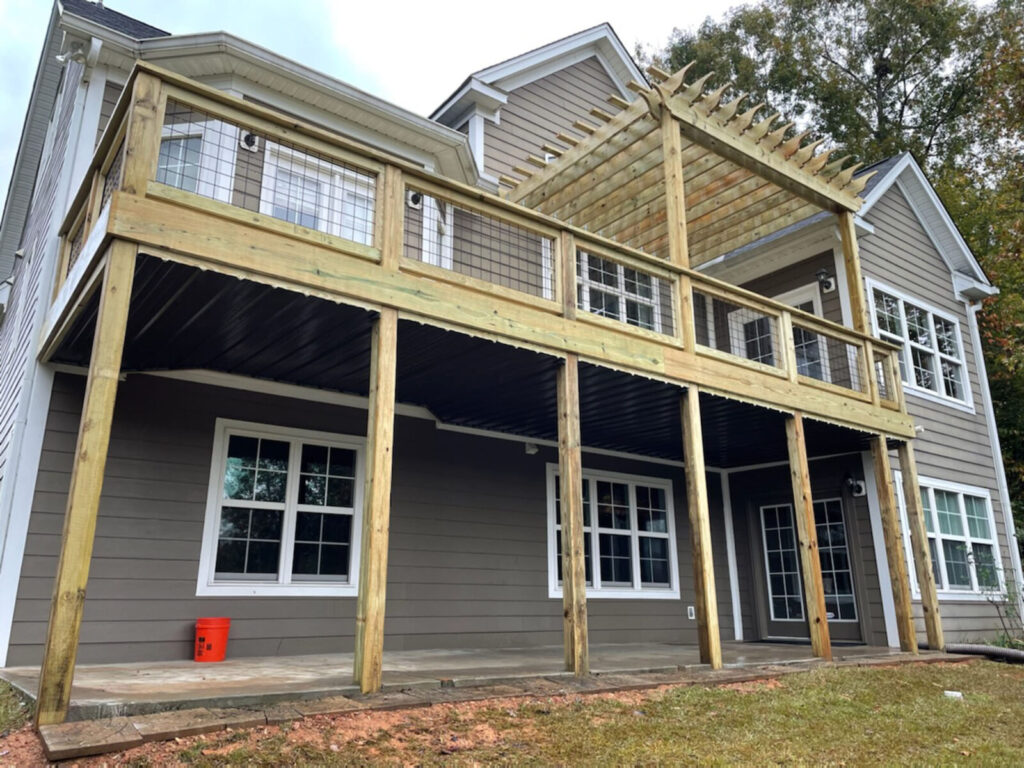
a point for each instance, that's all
(111, 19)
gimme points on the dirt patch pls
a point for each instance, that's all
(753, 686)
(22, 747)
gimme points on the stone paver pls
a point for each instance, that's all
(88, 737)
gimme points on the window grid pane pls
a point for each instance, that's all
(785, 592)
(623, 293)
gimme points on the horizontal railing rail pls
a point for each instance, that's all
(246, 163)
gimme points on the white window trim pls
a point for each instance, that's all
(909, 386)
(218, 164)
(953, 595)
(738, 318)
(636, 592)
(812, 293)
(206, 586)
(438, 251)
(330, 206)
(796, 548)
(618, 290)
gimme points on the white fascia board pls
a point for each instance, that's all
(931, 213)
(970, 289)
(534, 64)
(474, 96)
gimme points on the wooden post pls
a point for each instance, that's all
(700, 531)
(675, 208)
(570, 473)
(919, 545)
(854, 280)
(57, 671)
(894, 544)
(143, 134)
(373, 567)
(391, 214)
(807, 535)
(567, 274)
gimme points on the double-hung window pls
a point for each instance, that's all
(932, 358)
(629, 536)
(197, 153)
(316, 193)
(282, 514)
(613, 290)
(961, 538)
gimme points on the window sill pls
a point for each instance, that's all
(966, 596)
(622, 594)
(927, 394)
(257, 589)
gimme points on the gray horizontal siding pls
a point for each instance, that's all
(537, 111)
(956, 445)
(467, 559)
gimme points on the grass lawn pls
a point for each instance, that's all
(836, 716)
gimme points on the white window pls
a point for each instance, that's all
(811, 349)
(961, 539)
(283, 512)
(782, 562)
(616, 291)
(629, 532)
(932, 359)
(317, 194)
(199, 155)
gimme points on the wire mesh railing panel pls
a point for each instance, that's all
(607, 288)
(217, 159)
(447, 235)
(737, 329)
(884, 376)
(77, 243)
(828, 358)
(112, 179)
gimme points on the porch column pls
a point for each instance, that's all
(700, 531)
(373, 566)
(570, 473)
(854, 279)
(894, 544)
(807, 535)
(919, 546)
(57, 671)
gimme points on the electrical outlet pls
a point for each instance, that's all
(691, 612)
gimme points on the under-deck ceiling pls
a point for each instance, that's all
(183, 318)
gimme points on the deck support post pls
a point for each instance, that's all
(894, 550)
(570, 474)
(373, 567)
(58, 668)
(807, 536)
(708, 635)
(919, 546)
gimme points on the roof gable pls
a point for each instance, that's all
(904, 172)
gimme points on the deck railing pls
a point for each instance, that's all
(249, 164)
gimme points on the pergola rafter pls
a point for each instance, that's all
(743, 177)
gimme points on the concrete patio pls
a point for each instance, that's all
(104, 690)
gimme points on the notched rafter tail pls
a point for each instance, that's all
(856, 186)
(508, 181)
(815, 164)
(789, 147)
(675, 81)
(693, 91)
(538, 161)
(834, 167)
(551, 149)
(726, 112)
(565, 138)
(841, 179)
(524, 172)
(757, 131)
(742, 123)
(802, 155)
(636, 87)
(657, 73)
(617, 101)
(600, 114)
(709, 101)
(775, 138)
(583, 127)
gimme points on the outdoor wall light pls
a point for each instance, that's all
(531, 449)
(826, 282)
(854, 486)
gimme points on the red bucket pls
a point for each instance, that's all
(212, 638)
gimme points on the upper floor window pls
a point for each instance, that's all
(961, 537)
(282, 514)
(932, 359)
(616, 291)
(629, 533)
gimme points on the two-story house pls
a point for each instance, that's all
(583, 358)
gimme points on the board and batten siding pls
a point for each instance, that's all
(956, 445)
(535, 112)
(467, 563)
(18, 331)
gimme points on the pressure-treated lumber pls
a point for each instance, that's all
(807, 536)
(675, 207)
(919, 546)
(380, 438)
(854, 279)
(894, 550)
(90, 461)
(570, 472)
(144, 132)
(708, 635)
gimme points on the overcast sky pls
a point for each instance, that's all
(413, 54)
